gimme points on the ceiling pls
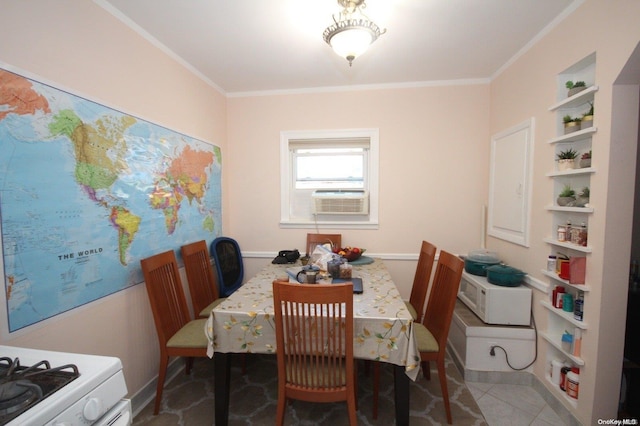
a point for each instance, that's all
(249, 46)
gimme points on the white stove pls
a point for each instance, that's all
(94, 397)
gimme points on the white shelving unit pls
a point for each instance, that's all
(560, 321)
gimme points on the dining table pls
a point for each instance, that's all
(383, 328)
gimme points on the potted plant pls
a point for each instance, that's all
(566, 159)
(585, 160)
(571, 124)
(566, 197)
(583, 198)
(576, 87)
(587, 118)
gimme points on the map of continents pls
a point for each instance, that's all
(86, 192)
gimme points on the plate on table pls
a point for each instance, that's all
(362, 260)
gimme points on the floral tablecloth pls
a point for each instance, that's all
(383, 328)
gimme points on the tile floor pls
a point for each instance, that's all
(506, 404)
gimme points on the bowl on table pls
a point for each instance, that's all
(350, 253)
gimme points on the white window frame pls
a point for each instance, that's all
(369, 221)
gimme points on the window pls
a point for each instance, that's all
(329, 168)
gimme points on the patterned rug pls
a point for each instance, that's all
(189, 400)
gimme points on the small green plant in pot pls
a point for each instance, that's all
(567, 159)
(576, 87)
(587, 118)
(571, 124)
(566, 197)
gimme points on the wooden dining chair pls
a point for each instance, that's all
(415, 305)
(421, 280)
(314, 239)
(431, 334)
(178, 335)
(314, 341)
(201, 278)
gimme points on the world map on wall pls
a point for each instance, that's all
(86, 192)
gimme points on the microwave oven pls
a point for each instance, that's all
(495, 304)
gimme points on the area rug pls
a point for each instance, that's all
(189, 400)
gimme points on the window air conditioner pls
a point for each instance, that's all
(329, 201)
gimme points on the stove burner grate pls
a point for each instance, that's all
(23, 387)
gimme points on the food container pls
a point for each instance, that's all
(477, 261)
(504, 275)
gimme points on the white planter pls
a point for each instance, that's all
(575, 90)
(586, 122)
(571, 127)
(565, 201)
(566, 164)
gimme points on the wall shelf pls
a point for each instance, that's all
(580, 141)
(570, 246)
(558, 391)
(553, 340)
(555, 277)
(575, 136)
(585, 210)
(567, 316)
(576, 100)
(572, 172)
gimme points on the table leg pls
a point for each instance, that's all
(221, 383)
(401, 382)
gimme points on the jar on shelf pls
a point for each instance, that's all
(573, 382)
(562, 233)
(575, 235)
(582, 235)
(551, 263)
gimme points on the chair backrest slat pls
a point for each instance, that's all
(200, 276)
(314, 334)
(166, 295)
(422, 278)
(442, 300)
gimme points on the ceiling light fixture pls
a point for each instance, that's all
(351, 34)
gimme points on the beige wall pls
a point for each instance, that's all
(433, 164)
(528, 88)
(76, 45)
(434, 149)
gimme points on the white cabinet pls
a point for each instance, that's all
(576, 212)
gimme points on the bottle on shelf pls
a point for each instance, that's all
(578, 307)
(577, 342)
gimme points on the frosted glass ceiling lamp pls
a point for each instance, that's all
(352, 33)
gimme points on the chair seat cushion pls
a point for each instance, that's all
(412, 310)
(315, 375)
(190, 336)
(207, 311)
(425, 340)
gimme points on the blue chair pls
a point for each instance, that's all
(228, 259)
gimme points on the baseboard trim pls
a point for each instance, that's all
(147, 394)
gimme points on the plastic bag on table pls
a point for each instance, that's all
(321, 255)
